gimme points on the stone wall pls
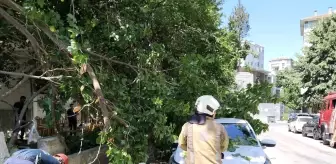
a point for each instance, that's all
(87, 156)
(52, 145)
(3, 148)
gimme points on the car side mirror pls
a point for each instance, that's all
(267, 143)
(174, 146)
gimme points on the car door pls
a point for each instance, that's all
(292, 124)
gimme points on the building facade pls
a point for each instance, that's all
(251, 69)
(307, 24)
(254, 60)
(279, 64)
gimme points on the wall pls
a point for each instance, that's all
(37, 110)
(243, 79)
(89, 155)
(6, 111)
(270, 109)
(308, 26)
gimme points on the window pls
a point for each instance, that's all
(277, 92)
(316, 118)
(333, 104)
(276, 68)
(305, 119)
(241, 133)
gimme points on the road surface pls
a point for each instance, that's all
(295, 149)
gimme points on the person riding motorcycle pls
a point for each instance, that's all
(203, 138)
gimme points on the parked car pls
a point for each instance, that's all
(247, 145)
(308, 128)
(297, 124)
(293, 116)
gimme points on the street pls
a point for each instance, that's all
(294, 148)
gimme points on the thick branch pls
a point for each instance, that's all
(21, 28)
(87, 68)
(18, 84)
(33, 76)
(59, 43)
(12, 5)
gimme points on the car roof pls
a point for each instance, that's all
(230, 120)
(302, 114)
(304, 117)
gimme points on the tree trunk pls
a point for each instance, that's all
(151, 149)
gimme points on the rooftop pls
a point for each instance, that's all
(281, 58)
(315, 18)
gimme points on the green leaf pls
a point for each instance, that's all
(40, 3)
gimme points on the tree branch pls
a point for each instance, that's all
(33, 76)
(21, 28)
(61, 45)
(114, 61)
(59, 69)
(87, 68)
(12, 5)
(18, 84)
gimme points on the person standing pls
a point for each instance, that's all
(72, 119)
(18, 106)
(203, 138)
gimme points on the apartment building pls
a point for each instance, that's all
(251, 69)
(279, 64)
(307, 24)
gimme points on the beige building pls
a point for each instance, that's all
(279, 64)
(307, 24)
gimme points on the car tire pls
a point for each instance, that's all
(315, 135)
(295, 131)
(289, 130)
(332, 145)
(304, 134)
(324, 138)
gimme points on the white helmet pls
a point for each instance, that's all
(207, 104)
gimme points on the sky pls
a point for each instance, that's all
(275, 24)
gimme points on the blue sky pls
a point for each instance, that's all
(275, 24)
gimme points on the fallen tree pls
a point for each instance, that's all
(145, 62)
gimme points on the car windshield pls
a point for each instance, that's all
(305, 119)
(240, 134)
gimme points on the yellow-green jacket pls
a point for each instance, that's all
(204, 143)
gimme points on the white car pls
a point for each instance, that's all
(296, 124)
(247, 150)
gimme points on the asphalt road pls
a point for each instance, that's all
(295, 149)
